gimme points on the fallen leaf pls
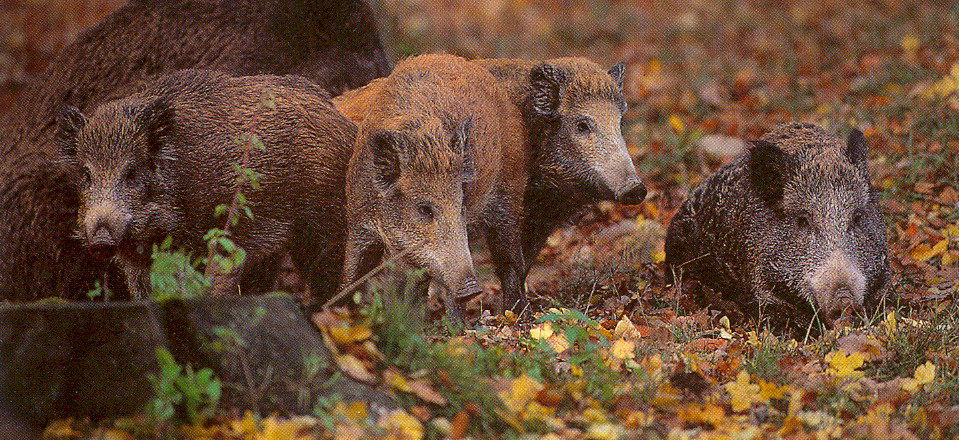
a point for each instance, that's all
(843, 365)
(742, 392)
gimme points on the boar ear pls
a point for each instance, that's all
(156, 119)
(385, 146)
(460, 146)
(69, 123)
(857, 149)
(617, 72)
(768, 170)
(547, 81)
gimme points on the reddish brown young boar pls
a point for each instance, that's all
(436, 154)
(157, 163)
(334, 43)
(566, 114)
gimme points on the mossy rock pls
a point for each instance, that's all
(62, 359)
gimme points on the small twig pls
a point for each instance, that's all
(366, 277)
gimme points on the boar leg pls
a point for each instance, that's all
(138, 281)
(506, 249)
(361, 255)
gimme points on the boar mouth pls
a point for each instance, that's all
(470, 290)
(102, 244)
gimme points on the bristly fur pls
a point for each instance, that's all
(161, 160)
(761, 227)
(332, 42)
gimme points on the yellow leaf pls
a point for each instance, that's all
(354, 368)
(623, 349)
(244, 427)
(541, 331)
(922, 253)
(676, 124)
(603, 431)
(401, 425)
(355, 411)
(348, 335)
(394, 379)
(742, 392)
(62, 428)
(116, 434)
(658, 256)
(626, 329)
(769, 390)
(519, 393)
(951, 231)
(709, 413)
(724, 322)
(424, 391)
(910, 45)
(795, 402)
(925, 373)
(890, 323)
(274, 429)
(653, 366)
(558, 343)
(843, 365)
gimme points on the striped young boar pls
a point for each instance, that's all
(157, 163)
(436, 154)
(789, 230)
(568, 112)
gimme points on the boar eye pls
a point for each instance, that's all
(802, 221)
(856, 220)
(426, 211)
(87, 178)
(583, 126)
(130, 176)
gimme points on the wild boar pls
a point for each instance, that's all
(334, 43)
(568, 112)
(436, 153)
(789, 229)
(158, 162)
(571, 115)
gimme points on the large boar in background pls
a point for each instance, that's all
(331, 42)
(789, 229)
(438, 151)
(157, 163)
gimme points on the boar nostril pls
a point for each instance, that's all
(634, 195)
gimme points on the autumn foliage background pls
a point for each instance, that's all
(701, 77)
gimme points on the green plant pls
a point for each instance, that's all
(175, 275)
(177, 388)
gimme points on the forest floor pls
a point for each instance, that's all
(607, 349)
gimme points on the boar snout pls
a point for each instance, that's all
(633, 193)
(469, 289)
(104, 228)
(838, 288)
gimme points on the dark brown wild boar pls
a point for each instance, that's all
(437, 153)
(331, 42)
(571, 112)
(566, 113)
(790, 228)
(157, 163)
